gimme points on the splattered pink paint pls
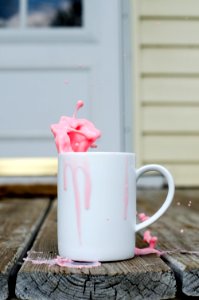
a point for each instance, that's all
(73, 134)
(74, 167)
(142, 217)
(63, 262)
(149, 239)
(147, 250)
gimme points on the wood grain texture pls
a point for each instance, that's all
(139, 278)
(19, 220)
(177, 230)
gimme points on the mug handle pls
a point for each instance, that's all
(168, 199)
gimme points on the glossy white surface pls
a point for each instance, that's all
(105, 230)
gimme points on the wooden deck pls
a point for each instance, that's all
(29, 224)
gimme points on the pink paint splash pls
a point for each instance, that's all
(63, 262)
(74, 168)
(142, 217)
(74, 135)
(147, 250)
(78, 135)
(149, 239)
(84, 167)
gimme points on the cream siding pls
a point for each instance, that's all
(166, 81)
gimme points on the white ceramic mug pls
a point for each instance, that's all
(97, 205)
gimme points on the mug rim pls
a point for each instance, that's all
(116, 153)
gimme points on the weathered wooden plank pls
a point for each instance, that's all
(171, 148)
(173, 91)
(177, 230)
(170, 119)
(19, 220)
(139, 278)
(161, 32)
